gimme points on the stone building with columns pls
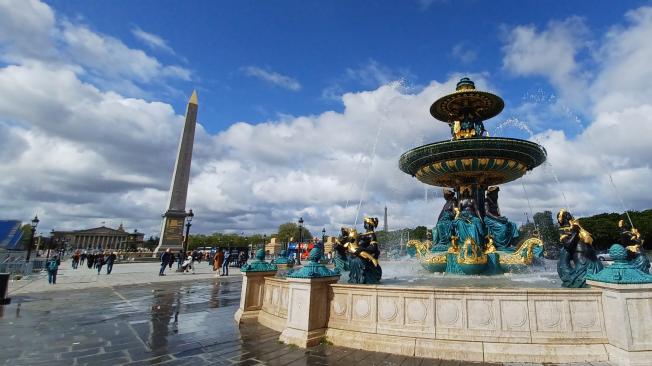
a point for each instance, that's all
(100, 238)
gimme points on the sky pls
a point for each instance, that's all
(306, 106)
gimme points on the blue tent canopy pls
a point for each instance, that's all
(10, 234)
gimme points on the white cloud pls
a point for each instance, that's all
(370, 75)
(551, 53)
(151, 40)
(463, 53)
(79, 154)
(273, 78)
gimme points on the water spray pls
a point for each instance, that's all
(611, 179)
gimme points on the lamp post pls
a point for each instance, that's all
(323, 239)
(35, 221)
(188, 225)
(300, 241)
(264, 241)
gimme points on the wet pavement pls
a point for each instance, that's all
(184, 323)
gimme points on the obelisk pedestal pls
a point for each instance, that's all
(174, 218)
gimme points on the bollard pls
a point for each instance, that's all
(4, 287)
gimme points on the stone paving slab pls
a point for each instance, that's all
(161, 323)
(122, 274)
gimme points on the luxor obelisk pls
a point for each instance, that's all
(174, 217)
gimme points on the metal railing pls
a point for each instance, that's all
(19, 266)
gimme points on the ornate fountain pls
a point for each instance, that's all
(471, 237)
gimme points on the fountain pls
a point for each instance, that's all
(471, 316)
(471, 237)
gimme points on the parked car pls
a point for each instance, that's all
(604, 256)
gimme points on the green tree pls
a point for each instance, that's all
(548, 232)
(419, 233)
(291, 230)
(150, 244)
(27, 235)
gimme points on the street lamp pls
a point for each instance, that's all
(323, 238)
(264, 240)
(35, 221)
(50, 243)
(188, 225)
(300, 241)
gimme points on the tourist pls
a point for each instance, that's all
(171, 261)
(165, 259)
(109, 262)
(218, 260)
(99, 261)
(91, 259)
(82, 258)
(53, 268)
(225, 264)
(179, 259)
(75, 260)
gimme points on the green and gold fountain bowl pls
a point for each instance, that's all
(486, 161)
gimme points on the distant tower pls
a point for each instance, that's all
(385, 225)
(174, 217)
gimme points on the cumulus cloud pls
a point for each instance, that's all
(551, 53)
(151, 40)
(273, 78)
(80, 153)
(369, 75)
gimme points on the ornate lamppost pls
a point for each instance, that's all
(264, 240)
(190, 215)
(323, 238)
(300, 241)
(35, 222)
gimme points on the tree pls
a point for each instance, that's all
(150, 244)
(419, 233)
(548, 233)
(291, 230)
(27, 235)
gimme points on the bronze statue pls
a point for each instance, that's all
(577, 257)
(363, 263)
(504, 233)
(630, 238)
(468, 222)
(441, 234)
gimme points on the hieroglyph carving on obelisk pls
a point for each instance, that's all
(174, 217)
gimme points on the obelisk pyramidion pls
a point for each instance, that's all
(174, 217)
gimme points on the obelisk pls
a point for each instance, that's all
(174, 217)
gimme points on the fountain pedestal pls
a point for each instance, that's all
(308, 308)
(628, 321)
(253, 292)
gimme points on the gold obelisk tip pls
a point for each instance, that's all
(193, 98)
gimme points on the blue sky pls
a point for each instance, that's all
(292, 94)
(316, 42)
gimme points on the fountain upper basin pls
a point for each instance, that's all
(486, 161)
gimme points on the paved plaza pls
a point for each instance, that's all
(167, 323)
(122, 274)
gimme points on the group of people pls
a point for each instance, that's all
(94, 260)
(219, 260)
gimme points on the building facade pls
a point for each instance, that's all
(100, 238)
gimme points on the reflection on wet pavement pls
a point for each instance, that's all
(157, 324)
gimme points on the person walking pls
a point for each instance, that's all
(165, 259)
(171, 261)
(82, 258)
(99, 260)
(109, 262)
(91, 259)
(225, 264)
(218, 260)
(53, 268)
(179, 259)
